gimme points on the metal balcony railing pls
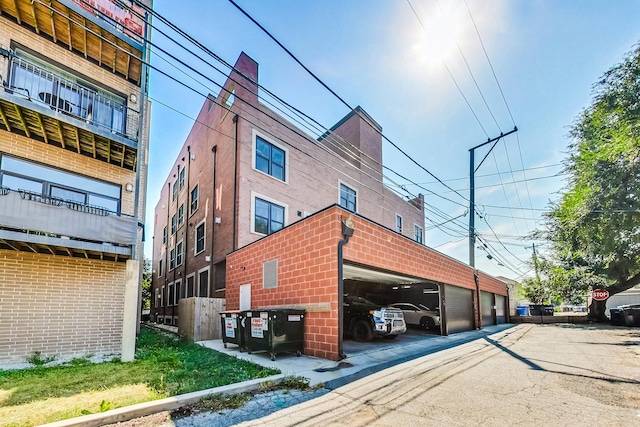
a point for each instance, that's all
(42, 86)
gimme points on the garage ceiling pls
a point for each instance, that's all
(363, 274)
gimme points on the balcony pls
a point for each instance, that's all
(41, 104)
(35, 223)
(83, 30)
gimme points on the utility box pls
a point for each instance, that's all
(232, 327)
(274, 330)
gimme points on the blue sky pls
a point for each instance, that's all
(546, 55)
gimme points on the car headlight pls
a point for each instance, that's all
(378, 315)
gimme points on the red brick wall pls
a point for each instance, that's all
(307, 269)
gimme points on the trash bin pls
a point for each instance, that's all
(617, 318)
(631, 315)
(540, 310)
(274, 330)
(522, 310)
(232, 323)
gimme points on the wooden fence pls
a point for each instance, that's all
(199, 318)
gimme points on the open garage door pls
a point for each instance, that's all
(459, 309)
(486, 306)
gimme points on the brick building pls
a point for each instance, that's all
(253, 211)
(245, 172)
(73, 167)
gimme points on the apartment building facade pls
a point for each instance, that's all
(74, 120)
(245, 172)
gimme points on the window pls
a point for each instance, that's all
(398, 224)
(177, 292)
(162, 298)
(200, 237)
(174, 224)
(18, 174)
(203, 282)
(181, 176)
(268, 218)
(164, 235)
(348, 197)
(175, 189)
(417, 234)
(50, 85)
(270, 159)
(180, 215)
(172, 259)
(179, 254)
(188, 292)
(194, 199)
(171, 297)
(156, 300)
(160, 268)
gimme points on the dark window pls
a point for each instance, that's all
(348, 198)
(417, 234)
(164, 235)
(172, 259)
(398, 224)
(159, 268)
(171, 295)
(188, 292)
(175, 189)
(179, 254)
(174, 224)
(203, 283)
(270, 159)
(181, 176)
(180, 215)
(200, 238)
(269, 217)
(194, 199)
(178, 295)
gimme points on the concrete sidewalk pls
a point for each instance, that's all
(362, 360)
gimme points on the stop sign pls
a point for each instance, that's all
(599, 294)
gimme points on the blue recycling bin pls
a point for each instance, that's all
(523, 310)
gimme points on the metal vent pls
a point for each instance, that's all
(270, 274)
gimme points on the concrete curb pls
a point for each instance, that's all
(127, 413)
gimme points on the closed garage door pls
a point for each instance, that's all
(486, 305)
(501, 309)
(459, 309)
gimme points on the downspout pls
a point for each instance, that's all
(214, 150)
(479, 315)
(235, 183)
(166, 252)
(347, 231)
(175, 246)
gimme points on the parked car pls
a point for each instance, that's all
(419, 315)
(363, 319)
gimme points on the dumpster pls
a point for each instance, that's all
(540, 310)
(617, 318)
(522, 310)
(274, 330)
(631, 315)
(233, 328)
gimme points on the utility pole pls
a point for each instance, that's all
(472, 192)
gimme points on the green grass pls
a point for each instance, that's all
(164, 366)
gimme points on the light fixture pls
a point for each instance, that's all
(489, 256)
(133, 98)
(129, 187)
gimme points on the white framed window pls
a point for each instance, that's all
(164, 235)
(181, 176)
(398, 224)
(267, 215)
(194, 200)
(175, 189)
(270, 157)
(181, 215)
(347, 197)
(179, 253)
(189, 285)
(171, 295)
(203, 282)
(172, 259)
(177, 290)
(418, 234)
(160, 268)
(200, 237)
(174, 223)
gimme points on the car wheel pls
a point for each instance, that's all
(430, 324)
(361, 331)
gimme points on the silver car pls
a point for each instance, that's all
(419, 314)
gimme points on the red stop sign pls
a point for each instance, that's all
(599, 294)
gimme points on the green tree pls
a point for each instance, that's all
(146, 285)
(595, 227)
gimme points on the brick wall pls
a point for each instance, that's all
(59, 306)
(307, 269)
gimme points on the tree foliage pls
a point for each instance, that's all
(146, 284)
(595, 227)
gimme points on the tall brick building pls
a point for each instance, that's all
(73, 166)
(258, 212)
(245, 172)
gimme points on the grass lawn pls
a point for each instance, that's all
(164, 366)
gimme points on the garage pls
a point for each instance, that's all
(487, 301)
(418, 299)
(459, 309)
(501, 309)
